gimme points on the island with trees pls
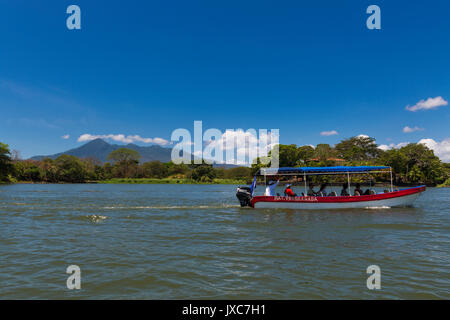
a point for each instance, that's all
(411, 164)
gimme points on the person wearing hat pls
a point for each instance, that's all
(288, 191)
(270, 187)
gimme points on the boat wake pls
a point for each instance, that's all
(172, 207)
(378, 207)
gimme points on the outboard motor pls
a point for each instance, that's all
(244, 194)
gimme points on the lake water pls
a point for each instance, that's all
(195, 242)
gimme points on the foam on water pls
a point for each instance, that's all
(172, 207)
(96, 218)
(378, 207)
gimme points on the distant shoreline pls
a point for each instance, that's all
(216, 181)
(168, 181)
(144, 181)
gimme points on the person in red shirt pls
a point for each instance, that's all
(288, 191)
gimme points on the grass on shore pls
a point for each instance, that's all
(445, 184)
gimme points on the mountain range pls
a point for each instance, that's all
(100, 150)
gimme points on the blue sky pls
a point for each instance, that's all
(148, 67)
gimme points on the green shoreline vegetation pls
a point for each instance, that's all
(411, 164)
(170, 181)
(143, 181)
(446, 184)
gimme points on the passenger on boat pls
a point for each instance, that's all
(288, 191)
(358, 191)
(311, 191)
(270, 188)
(344, 191)
(323, 192)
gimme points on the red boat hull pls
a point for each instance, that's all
(399, 198)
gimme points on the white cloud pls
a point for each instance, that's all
(66, 136)
(242, 147)
(441, 149)
(160, 141)
(329, 133)
(385, 147)
(409, 130)
(430, 103)
(122, 138)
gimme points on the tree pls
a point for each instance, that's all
(288, 156)
(396, 160)
(359, 148)
(93, 168)
(421, 158)
(220, 172)
(414, 163)
(125, 160)
(70, 169)
(48, 170)
(258, 163)
(155, 169)
(203, 172)
(305, 153)
(27, 171)
(416, 175)
(176, 169)
(124, 154)
(6, 167)
(323, 152)
(238, 173)
(107, 170)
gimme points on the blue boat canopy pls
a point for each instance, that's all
(338, 169)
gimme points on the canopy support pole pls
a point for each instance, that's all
(392, 185)
(348, 181)
(304, 178)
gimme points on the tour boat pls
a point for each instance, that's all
(387, 199)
